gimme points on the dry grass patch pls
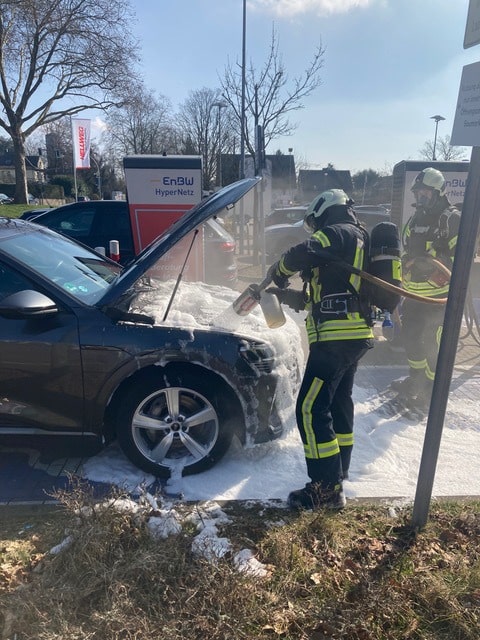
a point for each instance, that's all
(362, 574)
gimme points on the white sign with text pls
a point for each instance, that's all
(466, 126)
(472, 28)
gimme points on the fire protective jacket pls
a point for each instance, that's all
(430, 234)
(336, 309)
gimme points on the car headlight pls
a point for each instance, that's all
(259, 355)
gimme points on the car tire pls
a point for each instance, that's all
(173, 422)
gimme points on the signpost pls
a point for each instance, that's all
(466, 132)
(466, 126)
(472, 29)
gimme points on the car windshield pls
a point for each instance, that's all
(73, 268)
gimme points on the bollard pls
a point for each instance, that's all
(114, 250)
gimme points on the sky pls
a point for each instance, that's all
(389, 65)
(387, 451)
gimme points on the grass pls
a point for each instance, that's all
(362, 574)
(16, 210)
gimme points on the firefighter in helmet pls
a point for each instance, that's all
(429, 241)
(339, 333)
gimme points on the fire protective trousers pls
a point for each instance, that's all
(324, 408)
(421, 333)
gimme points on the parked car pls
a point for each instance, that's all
(4, 199)
(91, 349)
(285, 215)
(32, 199)
(280, 237)
(372, 214)
(96, 222)
(29, 214)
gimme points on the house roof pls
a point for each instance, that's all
(7, 160)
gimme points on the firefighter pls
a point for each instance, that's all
(339, 333)
(429, 239)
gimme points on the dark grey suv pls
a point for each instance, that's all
(90, 349)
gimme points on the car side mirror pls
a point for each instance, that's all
(27, 304)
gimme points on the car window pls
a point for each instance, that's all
(293, 213)
(94, 224)
(77, 223)
(62, 262)
(113, 224)
(214, 231)
(11, 281)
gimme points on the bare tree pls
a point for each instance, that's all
(443, 150)
(269, 94)
(59, 58)
(142, 125)
(205, 128)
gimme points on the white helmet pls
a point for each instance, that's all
(320, 204)
(432, 179)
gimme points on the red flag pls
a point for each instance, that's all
(81, 143)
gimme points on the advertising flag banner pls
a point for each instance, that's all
(81, 143)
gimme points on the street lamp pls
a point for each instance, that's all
(242, 109)
(290, 151)
(220, 105)
(437, 120)
(98, 176)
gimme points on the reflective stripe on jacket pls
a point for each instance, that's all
(430, 233)
(328, 282)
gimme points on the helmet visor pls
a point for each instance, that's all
(309, 223)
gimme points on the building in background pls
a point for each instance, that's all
(279, 173)
(35, 166)
(311, 182)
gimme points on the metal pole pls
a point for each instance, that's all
(242, 126)
(242, 108)
(74, 163)
(99, 177)
(291, 180)
(219, 177)
(220, 105)
(464, 254)
(257, 194)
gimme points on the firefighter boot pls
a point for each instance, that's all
(405, 387)
(421, 401)
(313, 496)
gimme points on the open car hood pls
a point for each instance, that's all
(208, 208)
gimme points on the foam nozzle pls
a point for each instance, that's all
(272, 310)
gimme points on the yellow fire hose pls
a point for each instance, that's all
(394, 289)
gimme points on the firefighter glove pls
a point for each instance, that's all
(293, 299)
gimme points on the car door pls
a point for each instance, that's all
(41, 379)
(94, 223)
(74, 220)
